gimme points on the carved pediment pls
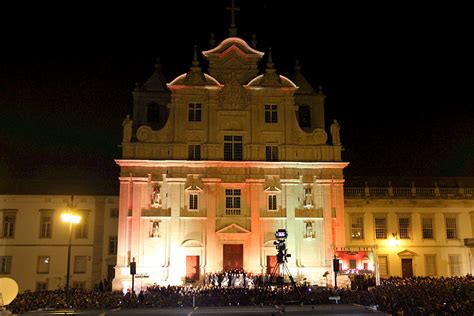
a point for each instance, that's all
(234, 45)
(233, 96)
(193, 188)
(233, 232)
(272, 189)
(407, 253)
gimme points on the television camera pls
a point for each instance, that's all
(280, 269)
(282, 255)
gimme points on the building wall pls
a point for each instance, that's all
(26, 244)
(195, 234)
(204, 232)
(415, 207)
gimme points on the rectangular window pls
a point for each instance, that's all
(5, 264)
(404, 227)
(380, 228)
(271, 153)
(113, 245)
(451, 228)
(454, 265)
(43, 264)
(233, 147)
(430, 265)
(114, 212)
(46, 225)
(383, 266)
(193, 201)
(232, 202)
(82, 229)
(41, 286)
(80, 264)
(272, 202)
(427, 227)
(194, 152)
(8, 225)
(357, 227)
(271, 113)
(194, 113)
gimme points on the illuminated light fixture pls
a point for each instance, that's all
(70, 218)
(394, 242)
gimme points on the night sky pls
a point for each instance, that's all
(399, 79)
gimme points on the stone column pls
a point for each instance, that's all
(212, 190)
(255, 187)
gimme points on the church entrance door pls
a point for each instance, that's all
(233, 256)
(192, 268)
(271, 263)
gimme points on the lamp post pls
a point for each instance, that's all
(70, 218)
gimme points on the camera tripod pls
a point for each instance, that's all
(284, 269)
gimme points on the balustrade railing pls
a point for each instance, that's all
(409, 192)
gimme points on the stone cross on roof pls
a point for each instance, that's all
(232, 28)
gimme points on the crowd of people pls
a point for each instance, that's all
(235, 278)
(413, 296)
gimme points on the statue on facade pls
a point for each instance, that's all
(309, 230)
(127, 129)
(156, 196)
(335, 128)
(155, 230)
(308, 198)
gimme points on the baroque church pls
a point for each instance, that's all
(214, 163)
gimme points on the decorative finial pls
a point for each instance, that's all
(270, 61)
(232, 28)
(320, 89)
(195, 76)
(254, 40)
(137, 86)
(212, 41)
(195, 59)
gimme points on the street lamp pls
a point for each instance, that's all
(71, 219)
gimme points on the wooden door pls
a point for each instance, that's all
(192, 268)
(271, 263)
(407, 268)
(233, 256)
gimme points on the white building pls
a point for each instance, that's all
(34, 240)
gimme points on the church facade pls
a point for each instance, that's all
(217, 162)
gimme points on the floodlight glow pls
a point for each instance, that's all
(70, 218)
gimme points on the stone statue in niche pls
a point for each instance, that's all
(309, 233)
(155, 229)
(156, 196)
(308, 198)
